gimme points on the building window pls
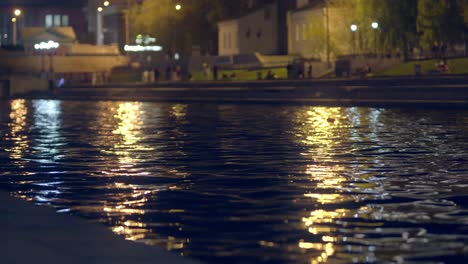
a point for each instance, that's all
(57, 20)
(225, 40)
(259, 33)
(304, 31)
(298, 31)
(229, 40)
(65, 21)
(49, 21)
(266, 13)
(247, 34)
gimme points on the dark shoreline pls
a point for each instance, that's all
(424, 91)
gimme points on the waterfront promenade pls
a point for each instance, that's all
(449, 90)
(33, 234)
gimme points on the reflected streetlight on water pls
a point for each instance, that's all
(325, 131)
(18, 116)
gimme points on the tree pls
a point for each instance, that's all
(194, 24)
(440, 21)
(397, 23)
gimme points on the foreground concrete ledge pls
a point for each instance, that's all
(34, 234)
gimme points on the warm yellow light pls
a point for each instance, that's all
(17, 12)
(13, 20)
(99, 9)
(106, 3)
(178, 7)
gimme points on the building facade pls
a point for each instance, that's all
(41, 13)
(315, 29)
(255, 32)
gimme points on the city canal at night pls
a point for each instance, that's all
(249, 183)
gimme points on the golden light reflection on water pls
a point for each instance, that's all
(325, 130)
(129, 128)
(321, 129)
(129, 202)
(18, 123)
(179, 111)
(128, 206)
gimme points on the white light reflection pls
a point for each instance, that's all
(48, 121)
(48, 143)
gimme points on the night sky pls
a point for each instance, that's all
(43, 2)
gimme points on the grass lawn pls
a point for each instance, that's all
(456, 66)
(244, 75)
(125, 76)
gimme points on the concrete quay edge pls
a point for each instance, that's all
(34, 234)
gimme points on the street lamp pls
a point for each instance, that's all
(178, 7)
(106, 3)
(14, 20)
(353, 28)
(375, 26)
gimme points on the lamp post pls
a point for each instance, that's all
(178, 8)
(99, 34)
(47, 48)
(327, 18)
(375, 26)
(14, 20)
(129, 4)
(353, 28)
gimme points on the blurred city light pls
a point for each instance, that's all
(46, 45)
(139, 48)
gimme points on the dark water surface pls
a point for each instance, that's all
(250, 183)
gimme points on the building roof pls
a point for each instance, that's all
(38, 34)
(311, 5)
(253, 11)
(43, 3)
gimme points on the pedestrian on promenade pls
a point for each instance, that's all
(270, 75)
(168, 73)
(309, 71)
(215, 72)
(443, 49)
(206, 71)
(259, 75)
(289, 70)
(435, 49)
(178, 73)
(156, 74)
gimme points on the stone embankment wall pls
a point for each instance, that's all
(22, 84)
(61, 64)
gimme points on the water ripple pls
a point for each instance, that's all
(249, 183)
